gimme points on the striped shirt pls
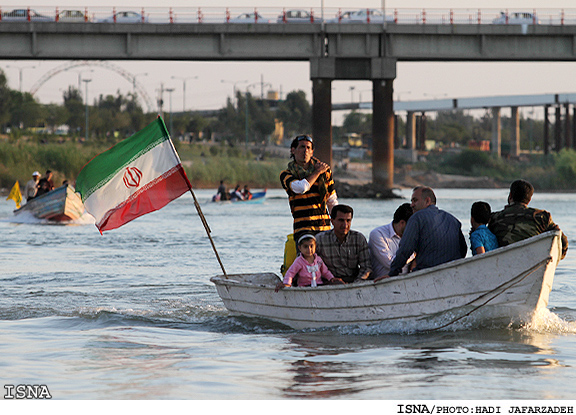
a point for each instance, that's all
(348, 260)
(308, 209)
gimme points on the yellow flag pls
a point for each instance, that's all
(15, 194)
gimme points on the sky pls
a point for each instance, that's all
(215, 80)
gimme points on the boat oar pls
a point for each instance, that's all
(208, 231)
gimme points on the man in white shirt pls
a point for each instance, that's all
(384, 241)
(32, 186)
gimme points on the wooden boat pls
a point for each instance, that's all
(507, 285)
(59, 205)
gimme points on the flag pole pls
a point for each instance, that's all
(208, 231)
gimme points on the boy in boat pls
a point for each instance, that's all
(308, 267)
(481, 239)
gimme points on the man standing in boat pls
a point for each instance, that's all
(310, 187)
(517, 221)
(434, 235)
(344, 251)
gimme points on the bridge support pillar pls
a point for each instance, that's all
(383, 132)
(411, 130)
(515, 133)
(322, 119)
(496, 132)
(546, 130)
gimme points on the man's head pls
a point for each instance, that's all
(521, 191)
(35, 175)
(401, 217)
(341, 218)
(422, 197)
(302, 149)
(49, 174)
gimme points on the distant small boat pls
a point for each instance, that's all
(505, 286)
(257, 197)
(59, 205)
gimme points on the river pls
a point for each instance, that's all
(132, 315)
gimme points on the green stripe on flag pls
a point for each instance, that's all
(102, 168)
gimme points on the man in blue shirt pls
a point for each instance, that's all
(433, 234)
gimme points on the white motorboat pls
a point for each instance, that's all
(506, 286)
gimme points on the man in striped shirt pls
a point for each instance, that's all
(310, 187)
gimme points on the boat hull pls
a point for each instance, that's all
(60, 205)
(509, 285)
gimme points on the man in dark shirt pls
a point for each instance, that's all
(433, 234)
(517, 221)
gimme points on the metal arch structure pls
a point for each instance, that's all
(122, 72)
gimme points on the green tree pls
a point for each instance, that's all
(24, 109)
(4, 99)
(295, 113)
(76, 111)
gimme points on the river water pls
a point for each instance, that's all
(132, 315)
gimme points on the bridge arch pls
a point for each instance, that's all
(106, 65)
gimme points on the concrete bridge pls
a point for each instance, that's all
(335, 52)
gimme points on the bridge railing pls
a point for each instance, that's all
(275, 15)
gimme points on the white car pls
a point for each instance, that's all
(363, 16)
(72, 16)
(516, 18)
(23, 15)
(297, 16)
(247, 18)
(125, 17)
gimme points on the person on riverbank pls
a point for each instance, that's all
(517, 221)
(310, 188)
(385, 240)
(308, 268)
(481, 239)
(344, 250)
(433, 234)
(32, 186)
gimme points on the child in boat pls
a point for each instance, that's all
(308, 267)
(481, 239)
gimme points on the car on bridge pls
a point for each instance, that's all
(24, 15)
(297, 16)
(247, 18)
(516, 18)
(126, 16)
(72, 16)
(363, 16)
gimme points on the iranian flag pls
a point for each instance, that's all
(139, 175)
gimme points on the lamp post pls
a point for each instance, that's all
(170, 90)
(86, 81)
(80, 77)
(20, 70)
(234, 85)
(184, 89)
(134, 80)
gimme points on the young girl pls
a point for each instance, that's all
(308, 266)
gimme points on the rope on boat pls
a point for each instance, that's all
(518, 279)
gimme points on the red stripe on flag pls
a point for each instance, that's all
(157, 194)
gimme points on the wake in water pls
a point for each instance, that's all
(29, 218)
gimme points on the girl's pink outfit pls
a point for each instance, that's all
(308, 274)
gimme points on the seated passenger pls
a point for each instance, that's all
(385, 239)
(344, 251)
(481, 239)
(308, 267)
(43, 187)
(517, 221)
(433, 234)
